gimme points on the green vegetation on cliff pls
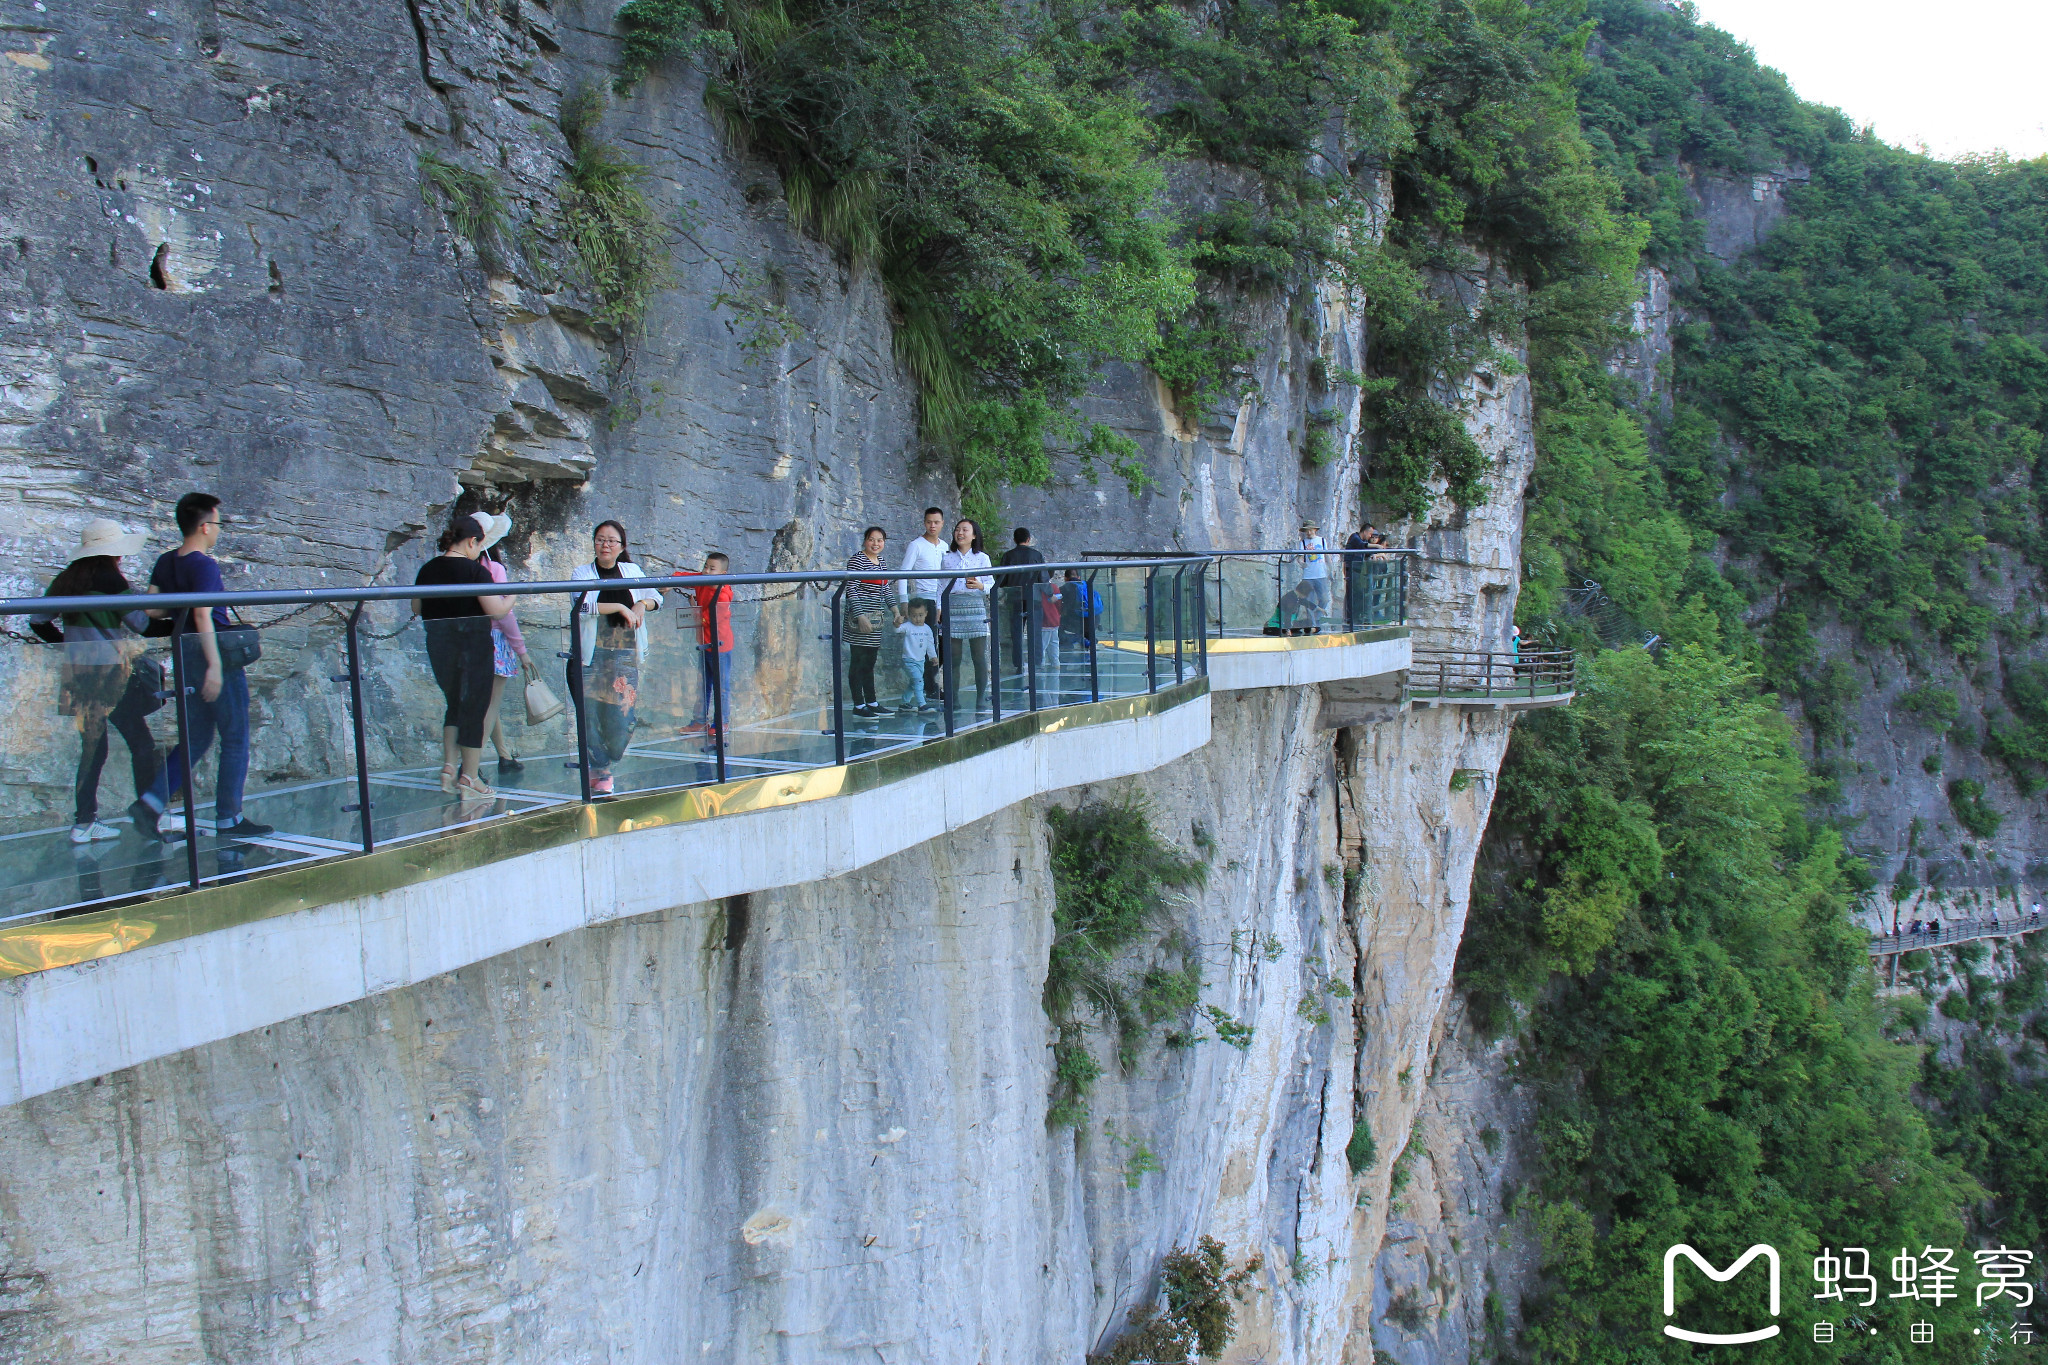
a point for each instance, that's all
(1006, 169)
(1704, 1031)
(1855, 432)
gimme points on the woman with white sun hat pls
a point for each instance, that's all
(104, 680)
(508, 646)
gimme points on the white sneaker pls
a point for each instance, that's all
(85, 834)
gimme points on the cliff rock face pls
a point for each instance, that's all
(807, 1125)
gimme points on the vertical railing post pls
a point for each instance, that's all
(1202, 640)
(1151, 631)
(582, 763)
(1222, 607)
(355, 704)
(179, 634)
(1486, 667)
(997, 629)
(839, 676)
(715, 676)
(1091, 627)
(1402, 588)
(1033, 609)
(1180, 592)
(948, 668)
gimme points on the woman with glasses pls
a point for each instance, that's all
(614, 643)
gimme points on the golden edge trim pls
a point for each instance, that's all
(29, 948)
(1273, 644)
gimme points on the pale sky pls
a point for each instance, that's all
(1961, 76)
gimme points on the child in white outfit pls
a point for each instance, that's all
(918, 645)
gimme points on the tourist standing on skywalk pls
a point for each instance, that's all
(967, 607)
(221, 701)
(863, 612)
(919, 650)
(104, 678)
(614, 646)
(459, 651)
(923, 555)
(1016, 588)
(714, 617)
(1315, 570)
(508, 647)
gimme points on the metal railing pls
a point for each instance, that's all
(1296, 592)
(342, 775)
(1491, 675)
(1951, 931)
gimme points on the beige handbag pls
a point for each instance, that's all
(542, 705)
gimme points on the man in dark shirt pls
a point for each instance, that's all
(220, 702)
(1016, 590)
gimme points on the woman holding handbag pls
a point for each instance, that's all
(105, 677)
(864, 609)
(508, 647)
(614, 643)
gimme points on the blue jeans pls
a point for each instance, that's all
(227, 714)
(1319, 593)
(913, 691)
(705, 715)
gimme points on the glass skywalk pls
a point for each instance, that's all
(788, 696)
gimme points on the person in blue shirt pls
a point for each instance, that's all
(220, 704)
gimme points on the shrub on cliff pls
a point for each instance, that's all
(1113, 879)
(1199, 1317)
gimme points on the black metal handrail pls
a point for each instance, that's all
(1375, 589)
(1487, 675)
(1018, 586)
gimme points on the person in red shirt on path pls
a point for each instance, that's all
(717, 674)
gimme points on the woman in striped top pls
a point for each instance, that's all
(967, 606)
(865, 615)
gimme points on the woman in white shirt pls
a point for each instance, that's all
(614, 643)
(967, 604)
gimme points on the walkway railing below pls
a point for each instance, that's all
(1488, 676)
(1952, 931)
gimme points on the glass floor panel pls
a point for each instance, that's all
(42, 872)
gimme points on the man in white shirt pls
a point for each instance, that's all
(926, 553)
(1315, 570)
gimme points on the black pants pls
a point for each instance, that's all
(126, 717)
(973, 649)
(860, 673)
(459, 650)
(1014, 611)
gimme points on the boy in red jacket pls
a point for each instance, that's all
(714, 604)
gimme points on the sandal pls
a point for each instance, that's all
(474, 789)
(448, 778)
